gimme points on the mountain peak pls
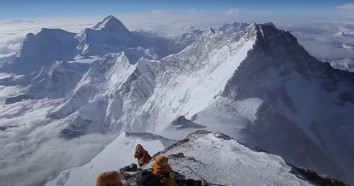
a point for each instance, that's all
(269, 33)
(111, 23)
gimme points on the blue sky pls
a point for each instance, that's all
(66, 8)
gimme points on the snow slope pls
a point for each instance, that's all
(218, 159)
(117, 154)
(211, 157)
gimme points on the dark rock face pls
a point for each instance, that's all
(181, 122)
(11, 100)
(318, 178)
(78, 127)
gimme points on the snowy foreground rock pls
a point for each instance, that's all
(213, 158)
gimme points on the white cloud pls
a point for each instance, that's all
(321, 40)
(349, 6)
(16, 21)
(31, 152)
(232, 12)
(172, 22)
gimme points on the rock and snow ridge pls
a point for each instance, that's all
(213, 158)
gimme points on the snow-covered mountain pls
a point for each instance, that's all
(111, 36)
(255, 84)
(248, 84)
(55, 60)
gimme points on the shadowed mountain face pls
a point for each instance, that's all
(306, 110)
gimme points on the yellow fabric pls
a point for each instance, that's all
(163, 170)
(161, 159)
(159, 171)
(110, 178)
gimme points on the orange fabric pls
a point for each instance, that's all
(160, 171)
(110, 178)
(163, 171)
(161, 159)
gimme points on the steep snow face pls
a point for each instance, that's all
(231, 117)
(307, 104)
(133, 96)
(116, 155)
(57, 80)
(188, 82)
(96, 90)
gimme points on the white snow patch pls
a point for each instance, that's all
(116, 155)
(224, 161)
